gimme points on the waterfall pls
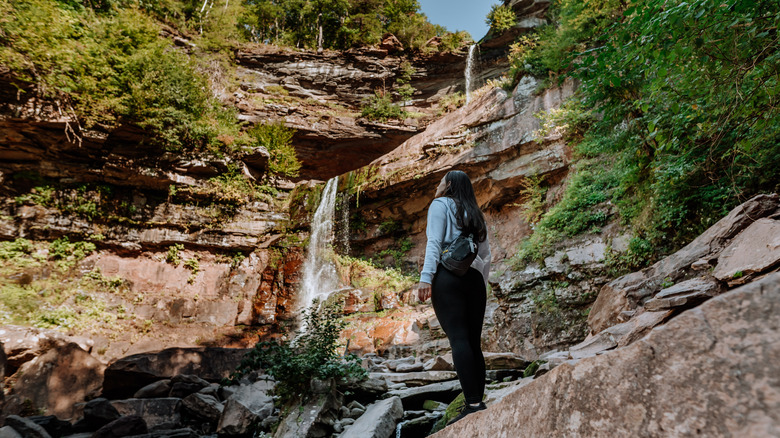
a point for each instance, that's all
(319, 270)
(469, 71)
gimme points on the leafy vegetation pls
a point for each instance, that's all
(688, 126)
(311, 355)
(501, 18)
(339, 24)
(277, 139)
(381, 107)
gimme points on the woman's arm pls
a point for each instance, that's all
(434, 231)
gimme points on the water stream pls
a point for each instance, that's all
(470, 71)
(319, 270)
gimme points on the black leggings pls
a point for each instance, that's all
(459, 303)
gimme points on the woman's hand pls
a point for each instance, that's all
(423, 291)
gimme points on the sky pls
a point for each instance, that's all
(468, 15)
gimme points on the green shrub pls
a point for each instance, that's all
(277, 139)
(381, 107)
(14, 249)
(173, 255)
(71, 252)
(311, 355)
(501, 18)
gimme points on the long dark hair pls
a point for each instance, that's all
(468, 215)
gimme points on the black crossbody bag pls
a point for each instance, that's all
(459, 254)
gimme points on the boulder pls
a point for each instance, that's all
(257, 158)
(203, 406)
(417, 378)
(130, 425)
(414, 398)
(127, 375)
(9, 432)
(315, 418)
(248, 406)
(711, 371)
(22, 344)
(504, 361)
(625, 293)
(394, 363)
(53, 425)
(439, 363)
(686, 293)
(183, 385)
(391, 44)
(157, 412)
(378, 421)
(754, 250)
(409, 367)
(55, 381)
(99, 412)
(26, 427)
(160, 388)
(365, 390)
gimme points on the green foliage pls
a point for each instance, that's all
(452, 411)
(15, 249)
(173, 255)
(70, 252)
(571, 120)
(381, 107)
(277, 139)
(531, 369)
(367, 275)
(193, 265)
(501, 18)
(451, 102)
(311, 355)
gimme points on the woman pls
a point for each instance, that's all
(459, 302)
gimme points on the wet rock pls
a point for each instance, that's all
(754, 250)
(433, 405)
(414, 398)
(55, 381)
(687, 293)
(421, 425)
(160, 388)
(25, 427)
(203, 406)
(122, 427)
(417, 378)
(125, 376)
(378, 421)
(248, 406)
(681, 379)
(157, 412)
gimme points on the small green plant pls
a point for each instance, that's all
(70, 252)
(571, 120)
(311, 355)
(531, 369)
(381, 107)
(14, 249)
(451, 102)
(667, 283)
(173, 257)
(277, 139)
(501, 18)
(738, 274)
(193, 265)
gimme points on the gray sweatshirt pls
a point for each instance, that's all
(442, 230)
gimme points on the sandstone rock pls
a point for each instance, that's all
(687, 293)
(355, 413)
(314, 420)
(157, 412)
(439, 363)
(3, 363)
(504, 361)
(679, 380)
(414, 398)
(365, 390)
(125, 376)
(496, 392)
(417, 378)
(160, 388)
(391, 44)
(409, 367)
(378, 421)
(754, 250)
(625, 292)
(248, 406)
(203, 406)
(56, 380)
(22, 344)
(183, 385)
(99, 412)
(9, 432)
(393, 363)
(122, 427)
(419, 426)
(257, 158)
(25, 427)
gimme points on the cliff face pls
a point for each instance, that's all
(321, 94)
